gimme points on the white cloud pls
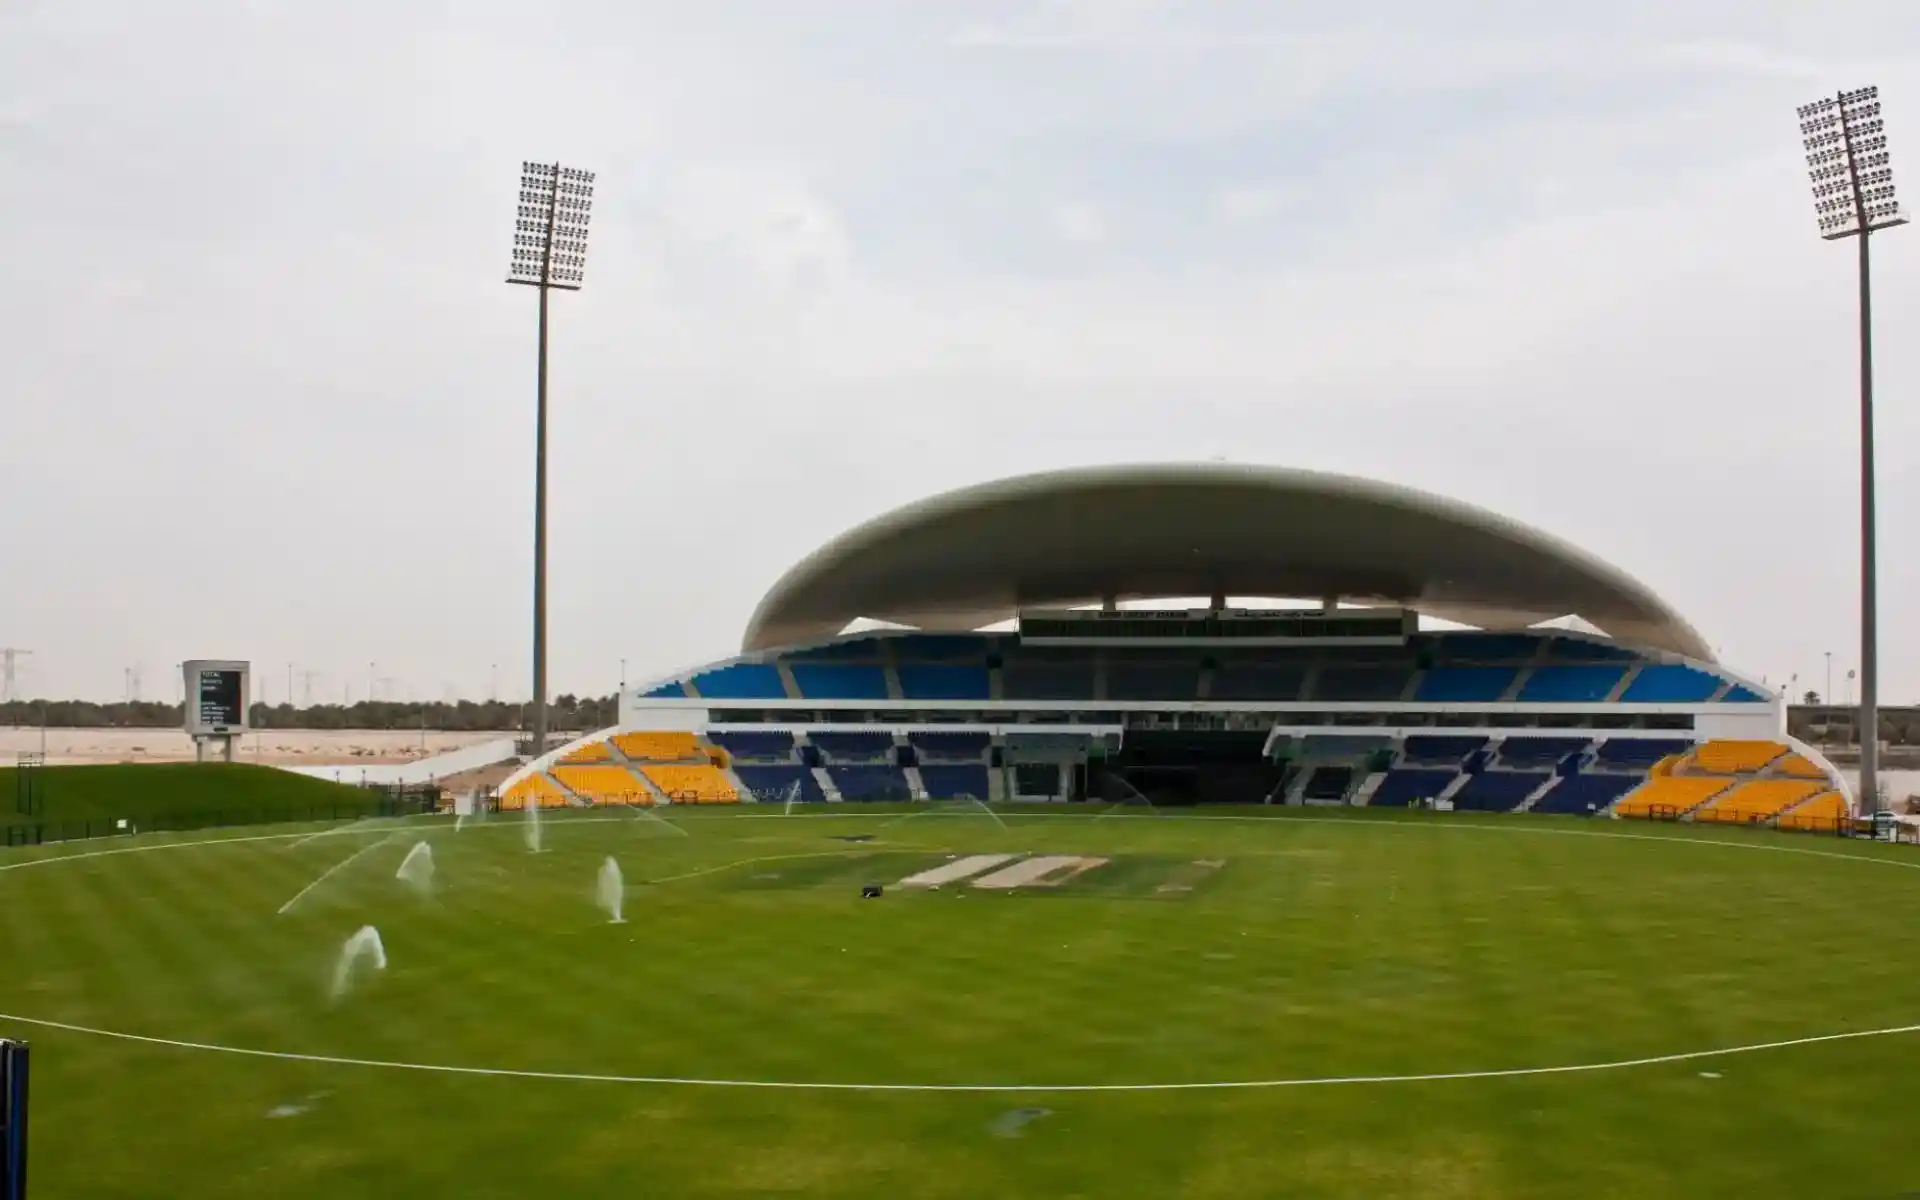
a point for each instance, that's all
(1079, 222)
(1546, 266)
(1244, 203)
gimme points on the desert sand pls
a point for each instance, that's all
(280, 747)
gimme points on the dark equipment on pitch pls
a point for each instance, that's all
(13, 1120)
(870, 891)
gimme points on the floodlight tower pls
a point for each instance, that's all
(549, 251)
(1852, 173)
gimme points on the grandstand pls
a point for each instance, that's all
(1573, 690)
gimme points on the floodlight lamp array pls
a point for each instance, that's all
(1849, 164)
(550, 226)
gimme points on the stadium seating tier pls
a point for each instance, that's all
(839, 681)
(658, 746)
(1585, 684)
(1670, 794)
(604, 784)
(688, 784)
(535, 789)
(1826, 812)
(1464, 685)
(1728, 757)
(1758, 800)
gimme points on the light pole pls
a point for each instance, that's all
(1852, 173)
(549, 251)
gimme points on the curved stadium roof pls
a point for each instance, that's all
(971, 557)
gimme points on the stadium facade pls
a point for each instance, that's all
(1347, 702)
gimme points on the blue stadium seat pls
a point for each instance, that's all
(1638, 752)
(674, 691)
(754, 744)
(950, 746)
(1571, 685)
(839, 681)
(1497, 791)
(1405, 784)
(1361, 683)
(741, 681)
(870, 783)
(953, 781)
(851, 746)
(1430, 748)
(1740, 693)
(775, 783)
(1539, 751)
(1256, 681)
(1670, 683)
(1587, 792)
(942, 681)
(1465, 685)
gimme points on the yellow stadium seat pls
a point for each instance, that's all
(1825, 813)
(687, 784)
(536, 788)
(659, 747)
(1728, 757)
(592, 752)
(1800, 767)
(1669, 794)
(1757, 800)
(605, 784)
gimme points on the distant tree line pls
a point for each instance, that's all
(564, 712)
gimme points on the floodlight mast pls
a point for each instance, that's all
(549, 251)
(1853, 196)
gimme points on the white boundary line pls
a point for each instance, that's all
(327, 874)
(801, 1085)
(805, 1086)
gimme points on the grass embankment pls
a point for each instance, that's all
(70, 802)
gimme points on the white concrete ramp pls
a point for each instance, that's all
(958, 869)
(1043, 871)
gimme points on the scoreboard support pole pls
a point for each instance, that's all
(13, 1120)
(224, 743)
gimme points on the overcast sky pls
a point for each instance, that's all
(266, 395)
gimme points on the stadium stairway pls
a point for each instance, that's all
(1363, 795)
(1626, 681)
(1534, 797)
(827, 787)
(916, 786)
(787, 680)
